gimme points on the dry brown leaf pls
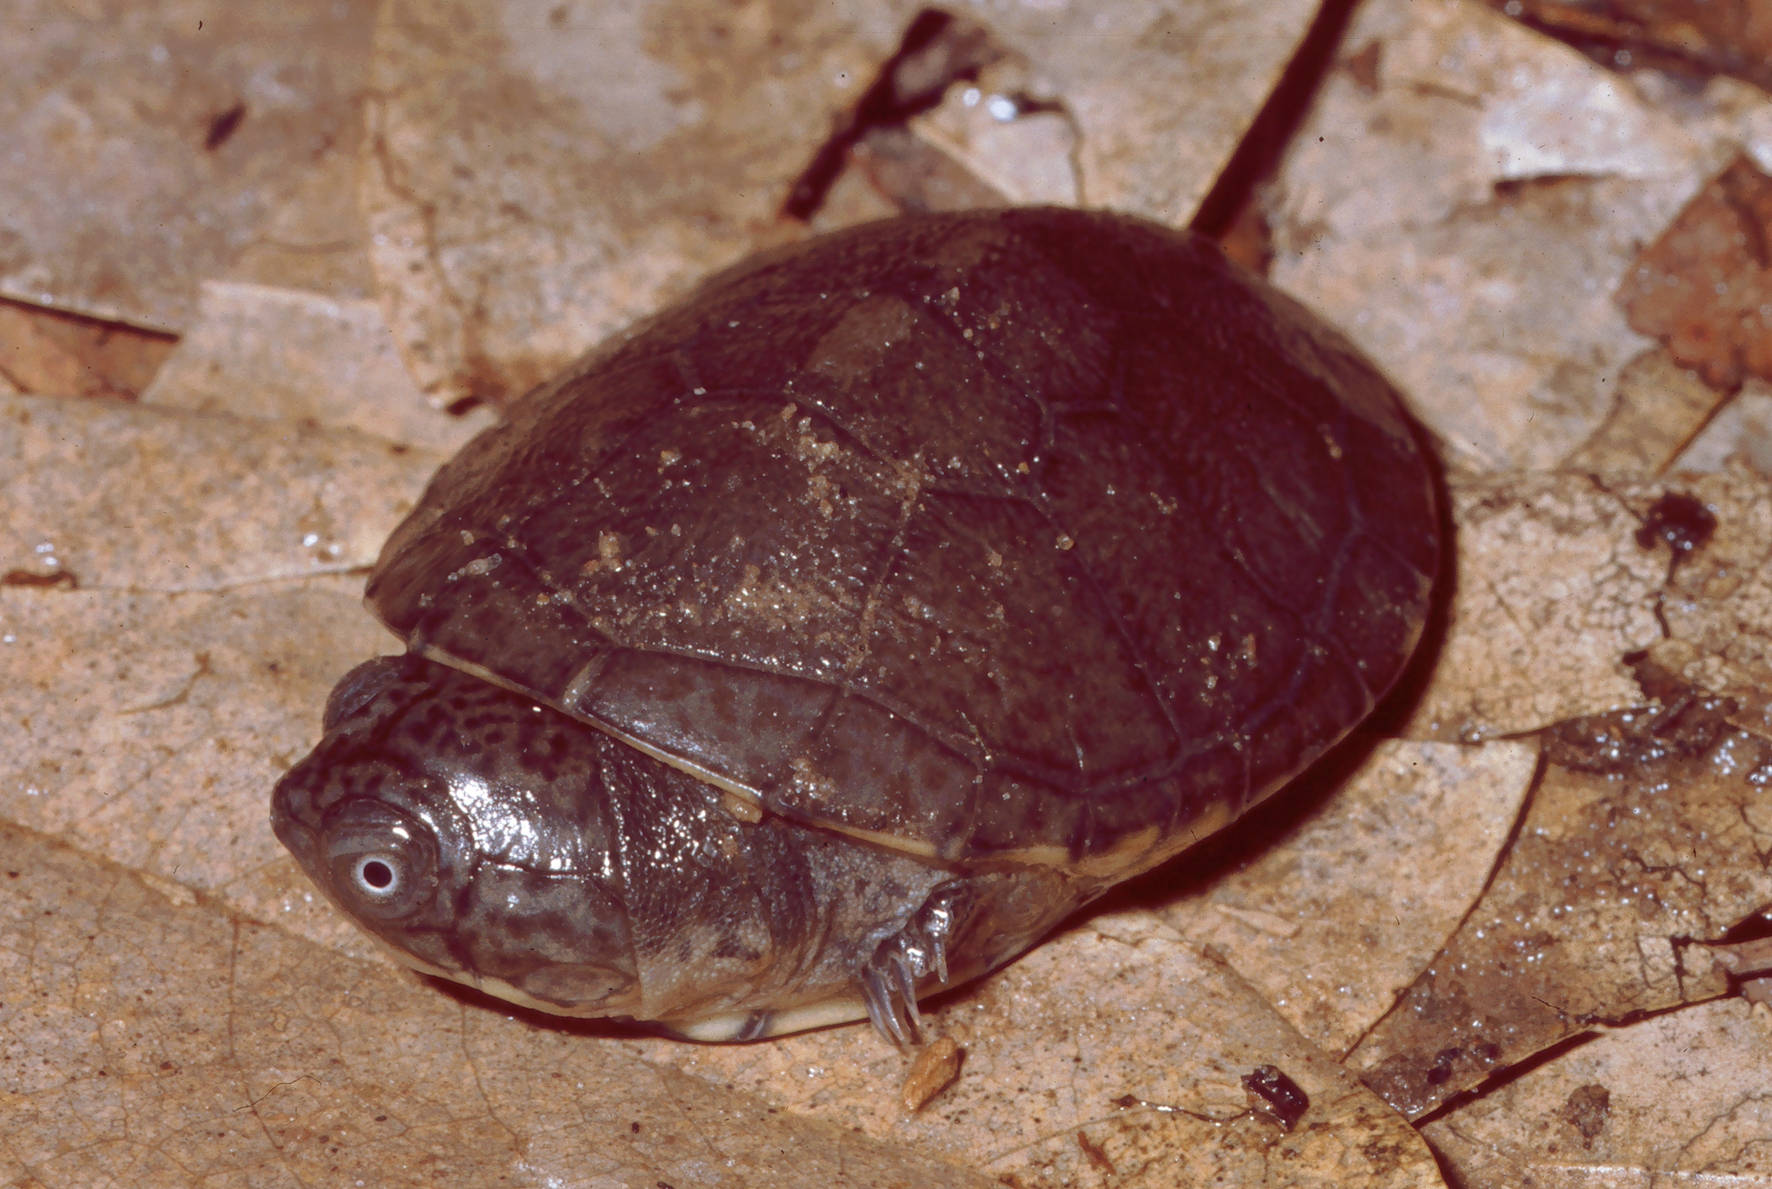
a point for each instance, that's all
(115, 496)
(1297, 919)
(49, 352)
(191, 1046)
(1705, 286)
(1464, 211)
(1739, 435)
(150, 723)
(1551, 592)
(146, 145)
(249, 1034)
(1645, 838)
(262, 351)
(626, 150)
(1655, 407)
(1675, 1100)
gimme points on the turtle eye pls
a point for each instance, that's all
(382, 863)
(378, 876)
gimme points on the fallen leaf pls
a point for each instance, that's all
(1656, 405)
(1643, 839)
(1673, 1100)
(1740, 435)
(147, 145)
(189, 1040)
(1406, 203)
(1297, 918)
(1705, 286)
(631, 149)
(52, 352)
(299, 355)
(1548, 848)
(117, 496)
(1730, 38)
(1552, 592)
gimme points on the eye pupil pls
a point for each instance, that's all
(376, 875)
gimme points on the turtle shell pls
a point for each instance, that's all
(1031, 536)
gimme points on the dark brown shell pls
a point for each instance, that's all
(1033, 535)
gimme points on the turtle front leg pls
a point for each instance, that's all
(965, 926)
(890, 978)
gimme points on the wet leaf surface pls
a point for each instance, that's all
(1544, 851)
(1645, 838)
(120, 496)
(1602, 1113)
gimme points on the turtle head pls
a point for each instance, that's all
(449, 817)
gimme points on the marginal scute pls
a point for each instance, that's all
(1035, 536)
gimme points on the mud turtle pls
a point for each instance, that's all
(832, 636)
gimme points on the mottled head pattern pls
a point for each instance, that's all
(448, 816)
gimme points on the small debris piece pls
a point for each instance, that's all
(1680, 521)
(1096, 1154)
(1586, 1111)
(936, 1068)
(1275, 1095)
(1745, 951)
(224, 125)
(55, 578)
(1705, 287)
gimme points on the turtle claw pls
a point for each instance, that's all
(891, 993)
(889, 979)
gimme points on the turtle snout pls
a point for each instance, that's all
(294, 822)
